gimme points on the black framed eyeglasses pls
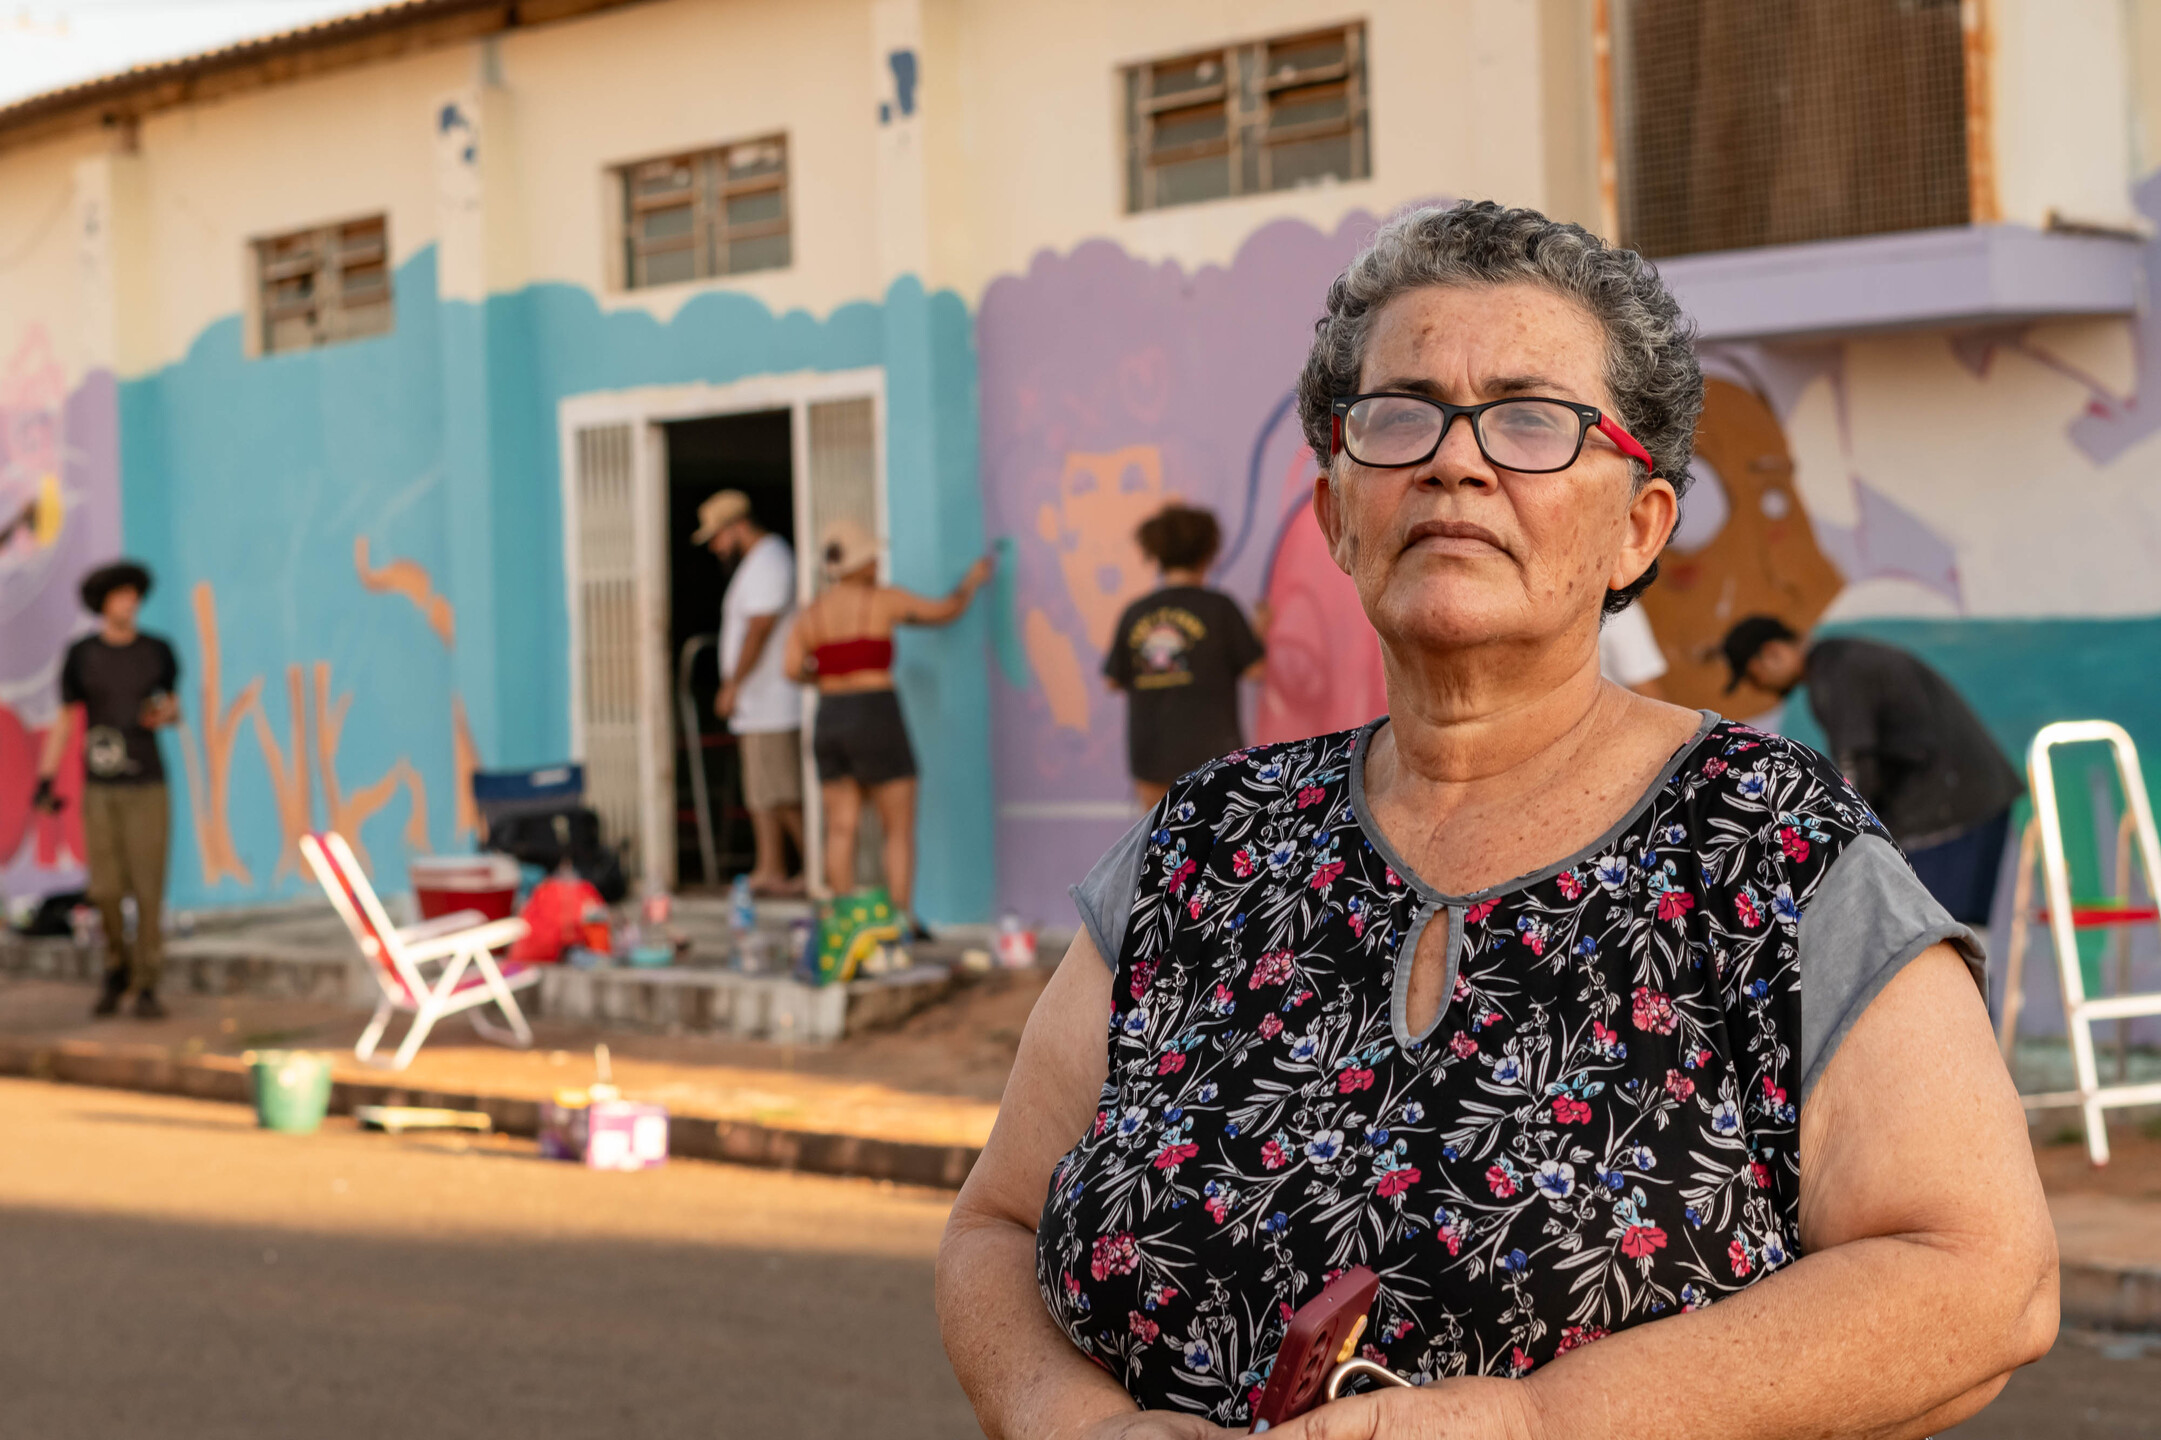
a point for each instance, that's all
(1529, 434)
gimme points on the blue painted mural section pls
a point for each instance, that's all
(438, 445)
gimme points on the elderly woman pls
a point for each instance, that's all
(1618, 1039)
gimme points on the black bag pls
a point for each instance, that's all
(52, 914)
(548, 838)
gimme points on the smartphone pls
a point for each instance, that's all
(1322, 1334)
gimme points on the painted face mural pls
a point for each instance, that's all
(1745, 546)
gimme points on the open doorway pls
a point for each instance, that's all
(750, 452)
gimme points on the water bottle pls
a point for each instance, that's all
(742, 909)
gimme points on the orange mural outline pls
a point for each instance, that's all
(464, 760)
(347, 813)
(409, 579)
(209, 759)
(288, 778)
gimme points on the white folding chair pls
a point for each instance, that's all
(2065, 918)
(460, 944)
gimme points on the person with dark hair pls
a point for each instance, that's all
(1909, 743)
(1615, 1039)
(1178, 653)
(120, 682)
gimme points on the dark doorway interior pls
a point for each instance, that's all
(750, 453)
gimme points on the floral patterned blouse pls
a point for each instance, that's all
(1599, 1128)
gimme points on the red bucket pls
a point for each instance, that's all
(445, 884)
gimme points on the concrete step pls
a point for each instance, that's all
(699, 1000)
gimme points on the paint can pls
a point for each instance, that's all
(1014, 943)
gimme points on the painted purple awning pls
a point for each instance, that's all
(1918, 279)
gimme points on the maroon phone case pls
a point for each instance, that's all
(1310, 1343)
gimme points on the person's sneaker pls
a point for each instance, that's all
(109, 997)
(149, 1007)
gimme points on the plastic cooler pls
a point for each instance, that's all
(444, 884)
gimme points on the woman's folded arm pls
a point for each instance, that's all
(1928, 1271)
(1023, 1376)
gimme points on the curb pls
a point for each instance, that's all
(690, 1137)
(2105, 1297)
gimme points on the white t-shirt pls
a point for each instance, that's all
(763, 584)
(1628, 652)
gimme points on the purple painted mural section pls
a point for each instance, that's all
(2114, 423)
(59, 516)
(1109, 386)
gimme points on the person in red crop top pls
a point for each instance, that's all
(843, 643)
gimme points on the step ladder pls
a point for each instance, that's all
(2065, 918)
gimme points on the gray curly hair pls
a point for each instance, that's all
(1651, 368)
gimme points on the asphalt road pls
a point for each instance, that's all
(169, 1271)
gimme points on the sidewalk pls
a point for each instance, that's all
(914, 1103)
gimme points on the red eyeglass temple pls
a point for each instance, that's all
(1625, 442)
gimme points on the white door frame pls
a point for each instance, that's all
(646, 409)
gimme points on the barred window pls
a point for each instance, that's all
(317, 287)
(1268, 115)
(712, 212)
(1774, 122)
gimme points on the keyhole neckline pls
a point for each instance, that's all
(1363, 814)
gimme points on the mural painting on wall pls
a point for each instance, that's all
(1745, 546)
(59, 515)
(298, 771)
(1111, 385)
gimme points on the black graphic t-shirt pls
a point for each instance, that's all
(112, 683)
(1178, 653)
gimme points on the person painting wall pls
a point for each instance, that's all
(1909, 743)
(118, 683)
(844, 644)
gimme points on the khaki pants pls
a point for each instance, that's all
(124, 829)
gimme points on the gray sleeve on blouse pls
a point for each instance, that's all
(1105, 898)
(1868, 917)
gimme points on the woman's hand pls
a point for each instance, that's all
(1156, 1425)
(1475, 1408)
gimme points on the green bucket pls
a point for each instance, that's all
(292, 1090)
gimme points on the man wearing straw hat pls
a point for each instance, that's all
(762, 707)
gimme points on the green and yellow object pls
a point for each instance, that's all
(850, 930)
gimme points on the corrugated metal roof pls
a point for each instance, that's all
(361, 24)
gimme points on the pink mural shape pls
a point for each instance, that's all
(1099, 353)
(1324, 661)
(59, 516)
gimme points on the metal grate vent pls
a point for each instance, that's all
(1771, 122)
(608, 626)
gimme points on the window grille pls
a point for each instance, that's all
(319, 286)
(1770, 122)
(1269, 115)
(713, 212)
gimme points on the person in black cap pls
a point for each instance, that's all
(1908, 742)
(122, 682)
